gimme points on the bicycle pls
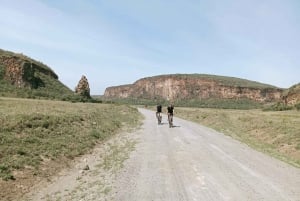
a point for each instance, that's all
(170, 115)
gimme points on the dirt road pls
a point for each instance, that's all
(187, 162)
(191, 162)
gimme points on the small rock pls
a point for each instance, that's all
(86, 167)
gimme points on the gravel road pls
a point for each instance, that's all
(187, 162)
(192, 162)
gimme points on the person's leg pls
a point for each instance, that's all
(170, 120)
(160, 117)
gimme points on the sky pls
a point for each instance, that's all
(115, 42)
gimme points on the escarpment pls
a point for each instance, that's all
(291, 96)
(21, 76)
(195, 86)
(21, 71)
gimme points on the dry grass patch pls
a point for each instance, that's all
(36, 134)
(275, 133)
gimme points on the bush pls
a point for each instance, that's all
(203, 103)
(278, 107)
(5, 173)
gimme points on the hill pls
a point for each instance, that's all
(22, 76)
(197, 90)
(292, 95)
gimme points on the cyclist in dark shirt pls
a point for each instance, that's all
(158, 113)
(170, 114)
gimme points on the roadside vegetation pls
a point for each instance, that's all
(39, 137)
(244, 104)
(52, 90)
(279, 107)
(274, 132)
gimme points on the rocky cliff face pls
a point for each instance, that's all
(22, 76)
(21, 72)
(83, 87)
(179, 87)
(292, 95)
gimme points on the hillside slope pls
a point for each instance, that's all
(292, 95)
(21, 76)
(196, 87)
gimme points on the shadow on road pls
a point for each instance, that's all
(174, 126)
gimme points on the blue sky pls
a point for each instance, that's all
(119, 41)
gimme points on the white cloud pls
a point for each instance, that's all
(119, 41)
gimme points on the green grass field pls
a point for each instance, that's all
(244, 104)
(275, 132)
(33, 132)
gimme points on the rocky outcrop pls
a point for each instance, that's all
(181, 87)
(24, 77)
(21, 72)
(292, 95)
(83, 87)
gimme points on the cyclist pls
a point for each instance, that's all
(158, 113)
(170, 114)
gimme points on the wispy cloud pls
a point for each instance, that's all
(120, 41)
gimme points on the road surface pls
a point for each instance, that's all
(192, 162)
(186, 163)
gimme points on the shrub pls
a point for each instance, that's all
(278, 107)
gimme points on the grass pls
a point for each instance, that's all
(118, 153)
(276, 133)
(33, 132)
(98, 182)
(244, 104)
(279, 107)
(51, 89)
(43, 84)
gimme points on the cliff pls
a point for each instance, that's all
(292, 95)
(195, 86)
(21, 76)
(20, 70)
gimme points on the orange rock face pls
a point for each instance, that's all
(184, 87)
(293, 95)
(21, 72)
(14, 71)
